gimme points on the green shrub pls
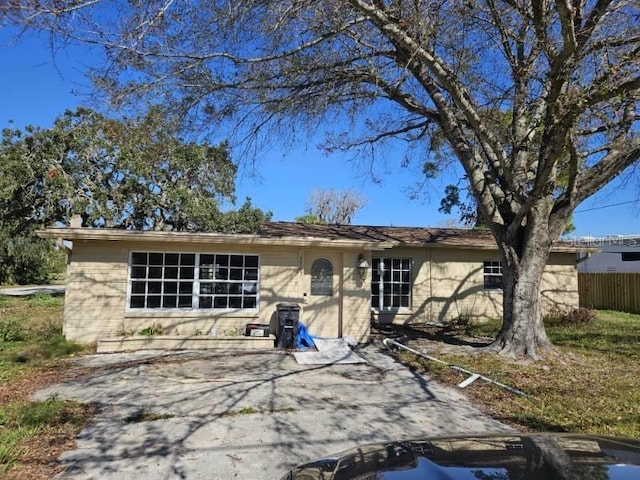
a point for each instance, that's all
(153, 329)
(11, 330)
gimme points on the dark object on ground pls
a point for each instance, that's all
(517, 456)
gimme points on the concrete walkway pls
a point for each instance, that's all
(32, 290)
(248, 415)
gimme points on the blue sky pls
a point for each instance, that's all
(36, 87)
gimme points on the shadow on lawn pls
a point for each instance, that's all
(444, 334)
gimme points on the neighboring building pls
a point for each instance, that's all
(620, 254)
(342, 276)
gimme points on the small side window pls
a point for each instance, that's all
(322, 278)
(492, 275)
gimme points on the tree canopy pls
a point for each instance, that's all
(125, 173)
(332, 206)
(121, 173)
(536, 100)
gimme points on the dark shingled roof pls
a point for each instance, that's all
(453, 237)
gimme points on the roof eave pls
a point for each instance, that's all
(83, 234)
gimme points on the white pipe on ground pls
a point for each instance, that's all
(387, 341)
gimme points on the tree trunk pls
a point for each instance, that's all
(523, 332)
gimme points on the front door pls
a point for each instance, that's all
(323, 284)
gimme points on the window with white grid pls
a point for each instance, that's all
(492, 275)
(166, 280)
(391, 283)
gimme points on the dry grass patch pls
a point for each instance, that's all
(33, 355)
(588, 384)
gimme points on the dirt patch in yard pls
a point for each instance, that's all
(38, 454)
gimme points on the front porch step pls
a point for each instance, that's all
(175, 342)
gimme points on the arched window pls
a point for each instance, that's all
(322, 278)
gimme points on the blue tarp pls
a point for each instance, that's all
(304, 339)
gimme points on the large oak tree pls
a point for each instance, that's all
(121, 173)
(537, 100)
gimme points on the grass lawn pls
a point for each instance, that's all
(33, 354)
(589, 384)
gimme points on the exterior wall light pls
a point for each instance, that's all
(362, 266)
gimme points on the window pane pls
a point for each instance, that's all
(249, 302)
(154, 287)
(138, 272)
(222, 260)
(171, 287)
(184, 301)
(237, 261)
(170, 272)
(186, 272)
(169, 301)
(206, 271)
(222, 274)
(251, 261)
(155, 272)
(235, 302)
(235, 274)
(207, 259)
(206, 288)
(206, 302)
(136, 301)
(235, 288)
(138, 287)
(251, 274)
(375, 301)
(153, 301)
(220, 302)
(188, 259)
(138, 258)
(171, 259)
(186, 288)
(322, 277)
(156, 259)
(221, 288)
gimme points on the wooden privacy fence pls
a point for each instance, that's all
(610, 291)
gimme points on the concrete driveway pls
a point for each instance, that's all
(203, 415)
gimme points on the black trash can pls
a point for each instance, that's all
(288, 316)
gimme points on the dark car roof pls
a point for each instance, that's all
(516, 456)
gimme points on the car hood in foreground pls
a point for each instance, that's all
(516, 456)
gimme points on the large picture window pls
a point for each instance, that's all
(390, 283)
(193, 281)
(492, 275)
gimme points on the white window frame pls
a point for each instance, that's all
(395, 282)
(492, 269)
(196, 297)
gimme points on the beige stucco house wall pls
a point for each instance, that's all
(446, 280)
